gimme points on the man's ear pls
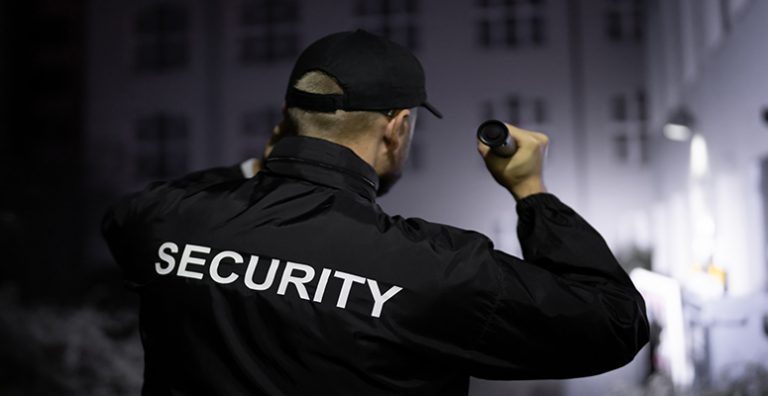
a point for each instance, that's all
(397, 129)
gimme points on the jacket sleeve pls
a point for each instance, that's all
(126, 225)
(567, 310)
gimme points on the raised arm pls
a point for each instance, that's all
(568, 309)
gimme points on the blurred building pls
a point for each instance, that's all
(175, 86)
(706, 66)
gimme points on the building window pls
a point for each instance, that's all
(396, 20)
(628, 114)
(162, 42)
(619, 108)
(526, 112)
(624, 20)
(628, 107)
(268, 31)
(725, 15)
(613, 27)
(256, 127)
(642, 106)
(537, 30)
(621, 148)
(161, 146)
(513, 107)
(511, 24)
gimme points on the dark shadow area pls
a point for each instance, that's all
(68, 326)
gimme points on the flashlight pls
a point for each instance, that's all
(494, 134)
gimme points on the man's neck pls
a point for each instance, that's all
(366, 149)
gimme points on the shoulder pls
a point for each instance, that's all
(208, 177)
(200, 180)
(437, 236)
(159, 195)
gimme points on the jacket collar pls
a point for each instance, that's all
(323, 162)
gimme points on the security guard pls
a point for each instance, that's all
(295, 282)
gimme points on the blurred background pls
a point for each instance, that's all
(657, 112)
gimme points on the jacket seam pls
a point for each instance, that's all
(492, 311)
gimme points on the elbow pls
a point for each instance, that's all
(617, 337)
(639, 333)
(629, 332)
(634, 325)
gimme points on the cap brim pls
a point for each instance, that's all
(433, 110)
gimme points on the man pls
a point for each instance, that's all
(294, 282)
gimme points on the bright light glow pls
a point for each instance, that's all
(677, 132)
(701, 281)
(699, 157)
(702, 224)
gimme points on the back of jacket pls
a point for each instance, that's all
(295, 282)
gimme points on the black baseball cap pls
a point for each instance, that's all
(374, 73)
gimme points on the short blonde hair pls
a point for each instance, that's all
(339, 125)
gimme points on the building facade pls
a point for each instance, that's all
(705, 60)
(706, 63)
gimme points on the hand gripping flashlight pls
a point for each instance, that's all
(494, 134)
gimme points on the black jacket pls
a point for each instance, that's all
(294, 282)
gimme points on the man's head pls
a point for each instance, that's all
(361, 91)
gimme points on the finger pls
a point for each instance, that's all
(541, 137)
(483, 148)
(523, 138)
(528, 140)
